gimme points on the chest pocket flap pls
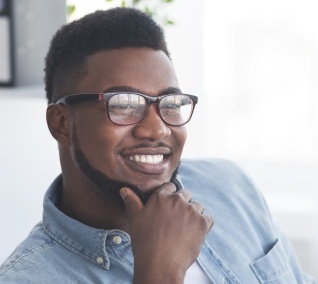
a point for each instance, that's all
(274, 267)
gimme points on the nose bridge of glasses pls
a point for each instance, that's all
(152, 100)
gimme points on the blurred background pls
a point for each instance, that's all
(254, 66)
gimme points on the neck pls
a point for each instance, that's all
(87, 205)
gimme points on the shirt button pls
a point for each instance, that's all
(99, 260)
(117, 240)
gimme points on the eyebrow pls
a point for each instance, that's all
(170, 90)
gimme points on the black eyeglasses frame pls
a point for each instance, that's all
(82, 98)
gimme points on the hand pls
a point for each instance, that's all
(166, 234)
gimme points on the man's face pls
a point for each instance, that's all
(126, 153)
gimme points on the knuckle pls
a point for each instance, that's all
(184, 194)
(205, 225)
(167, 187)
(209, 222)
(178, 196)
(206, 222)
(159, 194)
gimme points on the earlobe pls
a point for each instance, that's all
(58, 121)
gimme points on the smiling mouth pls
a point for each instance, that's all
(147, 159)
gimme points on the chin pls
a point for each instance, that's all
(150, 184)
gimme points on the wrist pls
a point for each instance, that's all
(157, 274)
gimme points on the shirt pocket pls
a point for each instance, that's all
(274, 267)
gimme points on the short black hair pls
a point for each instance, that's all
(110, 29)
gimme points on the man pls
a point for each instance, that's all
(119, 212)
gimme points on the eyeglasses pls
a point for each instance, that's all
(126, 108)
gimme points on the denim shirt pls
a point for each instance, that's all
(244, 246)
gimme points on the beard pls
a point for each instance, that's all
(107, 186)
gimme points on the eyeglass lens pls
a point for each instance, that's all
(131, 108)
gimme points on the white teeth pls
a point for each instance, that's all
(147, 159)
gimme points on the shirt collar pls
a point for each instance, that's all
(178, 183)
(83, 240)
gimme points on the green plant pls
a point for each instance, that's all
(153, 8)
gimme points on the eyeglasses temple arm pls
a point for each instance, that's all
(78, 99)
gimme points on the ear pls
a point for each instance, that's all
(58, 120)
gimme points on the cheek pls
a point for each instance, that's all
(104, 142)
(101, 149)
(99, 139)
(180, 135)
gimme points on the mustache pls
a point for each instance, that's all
(148, 145)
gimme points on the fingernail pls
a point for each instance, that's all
(123, 192)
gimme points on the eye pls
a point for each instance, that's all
(126, 109)
(170, 106)
(170, 109)
(121, 106)
(121, 109)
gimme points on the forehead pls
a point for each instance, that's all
(143, 69)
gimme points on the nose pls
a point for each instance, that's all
(151, 127)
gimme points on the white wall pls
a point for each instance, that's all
(28, 163)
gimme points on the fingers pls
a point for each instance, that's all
(185, 194)
(167, 188)
(208, 219)
(134, 205)
(198, 206)
(210, 222)
(132, 201)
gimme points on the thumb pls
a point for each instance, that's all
(132, 201)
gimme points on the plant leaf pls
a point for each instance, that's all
(169, 22)
(70, 9)
(148, 11)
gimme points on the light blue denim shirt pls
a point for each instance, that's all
(244, 246)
